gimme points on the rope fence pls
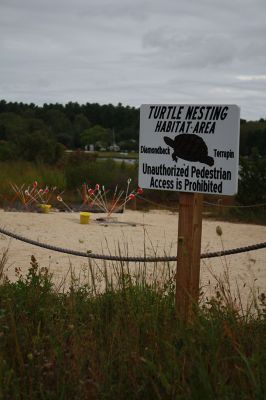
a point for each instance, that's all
(218, 204)
(89, 254)
(206, 203)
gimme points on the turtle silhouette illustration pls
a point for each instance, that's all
(189, 147)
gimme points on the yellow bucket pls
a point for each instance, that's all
(45, 208)
(84, 217)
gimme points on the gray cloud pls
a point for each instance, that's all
(134, 52)
(190, 50)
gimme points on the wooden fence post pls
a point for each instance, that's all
(188, 253)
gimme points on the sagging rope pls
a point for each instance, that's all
(89, 254)
(218, 204)
(206, 203)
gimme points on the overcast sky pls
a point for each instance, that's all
(135, 52)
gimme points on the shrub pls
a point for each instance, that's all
(6, 151)
(124, 343)
(105, 172)
(252, 183)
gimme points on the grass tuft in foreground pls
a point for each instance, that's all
(124, 342)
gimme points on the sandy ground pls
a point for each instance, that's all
(156, 231)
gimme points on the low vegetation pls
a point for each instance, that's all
(67, 177)
(77, 168)
(122, 340)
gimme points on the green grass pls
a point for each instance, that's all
(22, 172)
(78, 168)
(105, 172)
(124, 341)
(68, 177)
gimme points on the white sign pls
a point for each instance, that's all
(189, 148)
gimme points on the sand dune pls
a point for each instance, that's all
(133, 232)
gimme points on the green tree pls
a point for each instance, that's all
(37, 146)
(6, 151)
(96, 135)
(12, 126)
(252, 182)
(253, 134)
(57, 122)
(80, 124)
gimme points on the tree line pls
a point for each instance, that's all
(35, 133)
(42, 133)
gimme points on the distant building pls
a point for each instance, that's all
(89, 147)
(114, 147)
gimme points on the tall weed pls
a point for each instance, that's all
(22, 172)
(119, 337)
